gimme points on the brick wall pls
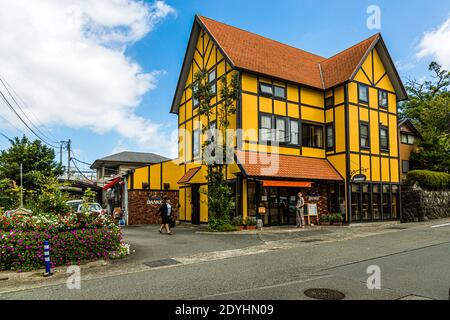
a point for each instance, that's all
(141, 212)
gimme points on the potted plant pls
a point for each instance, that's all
(337, 219)
(238, 222)
(250, 224)
(325, 220)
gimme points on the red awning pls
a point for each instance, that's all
(112, 183)
(288, 184)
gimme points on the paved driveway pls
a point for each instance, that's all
(147, 244)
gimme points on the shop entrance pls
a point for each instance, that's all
(195, 189)
(282, 202)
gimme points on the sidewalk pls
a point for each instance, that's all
(191, 244)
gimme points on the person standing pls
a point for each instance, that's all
(166, 214)
(299, 210)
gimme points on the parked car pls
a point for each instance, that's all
(91, 207)
(77, 206)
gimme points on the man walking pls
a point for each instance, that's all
(299, 210)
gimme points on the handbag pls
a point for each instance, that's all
(172, 223)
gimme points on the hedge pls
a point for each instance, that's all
(22, 249)
(429, 179)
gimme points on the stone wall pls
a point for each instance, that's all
(422, 205)
(143, 205)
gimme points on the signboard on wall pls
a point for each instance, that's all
(312, 209)
(154, 201)
(359, 178)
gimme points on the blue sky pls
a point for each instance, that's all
(321, 27)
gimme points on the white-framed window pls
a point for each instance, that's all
(266, 89)
(407, 138)
(330, 136)
(280, 127)
(382, 98)
(265, 128)
(363, 93)
(196, 143)
(294, 132)
(384, 138)
(212, 78)
(195, 102)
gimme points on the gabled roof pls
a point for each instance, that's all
(251, 52)
(130, 158)
(254, 164)
(410, 125)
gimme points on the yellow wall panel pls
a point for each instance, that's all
(373, 98)
(293, 111)
(367, 66)
(339, 163)
(249, 83)
(352, 92)
(354, 128)
(265, 105)
(155, 177)
(339, 95)
(385, 168)
(312, 97)
(394, 170)
(339, 128)
(244, 199)
(386, 84)
(354, 163)
(374, 133)
(329, 116)
(203, 204)
(366, 166)
(363, 114)
(279, 107)
(292, 93)
(375, 169)
(312, 114)
(392, 103)
(378, 66)
(312, 152)
(393, 136)
(384, 119)
(140, 177)
(361, 77)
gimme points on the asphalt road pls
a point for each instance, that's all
(414, 263)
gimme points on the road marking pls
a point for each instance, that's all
(262, 288)
(441, 225)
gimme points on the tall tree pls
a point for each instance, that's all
(37, 160)
(428, 108)
(215, 149)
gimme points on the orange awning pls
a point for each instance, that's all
(189, 175)
(288, 184)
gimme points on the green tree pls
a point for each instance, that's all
(41, 189)
(220, 195)
(428, 108)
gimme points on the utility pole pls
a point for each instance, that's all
(60, 152)
(21, 186)
(68, 158)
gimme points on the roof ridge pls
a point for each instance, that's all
(260, 36)
(353, 46)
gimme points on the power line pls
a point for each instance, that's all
(79, 171)
(23, 112)
(23, 121)
(89, 164)
(5, 136)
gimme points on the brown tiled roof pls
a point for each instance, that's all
(286, 167)
(189, 175)
(258, 54)
(340, 67)
(252, 52)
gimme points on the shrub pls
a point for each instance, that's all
(324, 218)
(237, 221)
(250, 222)
(429, 179)
(71, 239)
(220, 225)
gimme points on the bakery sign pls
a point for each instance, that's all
(154, 201)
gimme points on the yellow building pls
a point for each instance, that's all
(323, 126)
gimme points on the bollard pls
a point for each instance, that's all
(48, 272)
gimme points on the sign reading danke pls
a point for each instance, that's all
(359, 178)
(154, 201)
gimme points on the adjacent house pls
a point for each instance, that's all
(329, 123)
(408, 138)
(111, 169)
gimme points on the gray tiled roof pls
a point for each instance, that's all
(132, 157)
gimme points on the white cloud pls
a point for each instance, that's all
(67, 60)
(436, 44)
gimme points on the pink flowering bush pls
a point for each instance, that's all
(73, 238)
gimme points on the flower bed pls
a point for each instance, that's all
(73, 238)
